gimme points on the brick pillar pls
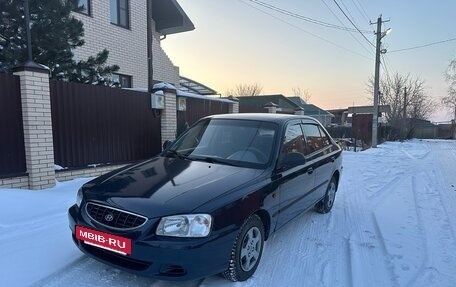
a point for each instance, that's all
(299, 111)
(36, 115)
(271, 107)
(169, 116)
(233, 107)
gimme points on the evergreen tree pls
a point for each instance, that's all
(55, 33)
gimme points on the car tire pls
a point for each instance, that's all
(247, 250)
(325, 205)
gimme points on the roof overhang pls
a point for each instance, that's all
(170, 18)
(192, 86)
(369, 109)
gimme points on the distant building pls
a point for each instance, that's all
(282, 105)
(256, 104)
(324, 117)
(121, 27)
(344, 116)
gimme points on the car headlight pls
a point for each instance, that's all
(191, 225)
(79, 198)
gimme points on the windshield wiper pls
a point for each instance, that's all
(176, 154)
(212, 160)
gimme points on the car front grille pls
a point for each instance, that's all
(114, 218)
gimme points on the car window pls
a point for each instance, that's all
(293, 141)
(193, 137)
(314, 140)
(324, 137)
(237, 142)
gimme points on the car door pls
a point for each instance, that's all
(321, 155)
(295, 182)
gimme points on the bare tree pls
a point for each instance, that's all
(243, 90)
(450, 76)
(305, 95)
(407, 97)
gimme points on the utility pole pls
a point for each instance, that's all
(404, 113)
(378, 51)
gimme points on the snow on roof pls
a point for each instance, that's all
(164, 86)
(196, 96)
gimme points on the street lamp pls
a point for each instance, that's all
(386, 32)
(27, 29)
(29, 63)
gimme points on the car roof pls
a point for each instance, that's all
(277, 118)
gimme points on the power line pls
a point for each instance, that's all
(385, 66)
(349, 14)
(340, 8)
(307, 32)
(359, 11)
(340, 21)
(364, 11)
(301, 17)
(348, 11)
(422, 46)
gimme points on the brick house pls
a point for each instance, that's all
(121, 27)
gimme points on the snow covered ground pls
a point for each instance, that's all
(393, 224)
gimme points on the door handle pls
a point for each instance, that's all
(333, 158)
(310, 170)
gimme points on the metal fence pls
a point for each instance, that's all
(99, 125)
(12, 151)
(244, 108)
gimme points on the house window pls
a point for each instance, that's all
(120, 14)
(84, 7)
(123, 80)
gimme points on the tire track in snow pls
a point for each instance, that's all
(438, 240)
(383, 192)
(447, 213)
(426, 148)
(365, 242)
(389, 264)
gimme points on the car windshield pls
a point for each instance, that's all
(244, 143)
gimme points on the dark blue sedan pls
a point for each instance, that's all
(208, 202)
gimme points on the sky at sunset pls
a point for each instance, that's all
(238, 41)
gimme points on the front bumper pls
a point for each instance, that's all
(160, 257)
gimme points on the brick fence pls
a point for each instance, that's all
(38, 132)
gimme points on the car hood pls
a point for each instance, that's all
(165, 186)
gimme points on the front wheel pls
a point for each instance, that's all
(325, 205)
(247, 250)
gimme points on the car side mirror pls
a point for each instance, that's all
(167, 144)
(292, 159)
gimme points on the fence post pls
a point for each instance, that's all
(299, 111)
(233, 107)
(271, 107)
(169, 116)
(36, 116)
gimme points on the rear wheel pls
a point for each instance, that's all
(325, 205)
(247, 250)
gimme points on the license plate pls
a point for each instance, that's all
(104, 240)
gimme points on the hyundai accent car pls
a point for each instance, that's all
(210, 200)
